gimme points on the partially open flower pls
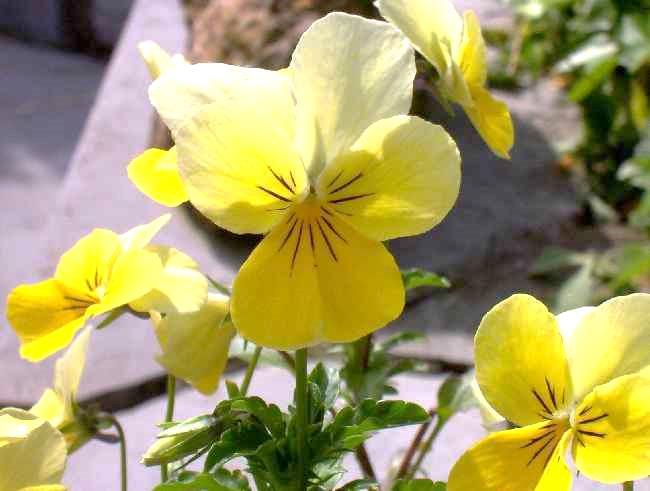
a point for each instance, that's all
(58, 405)
(102, 272)
(32, 452)
(455, 47)
(584, 387)
(322, 158)
(195, 346)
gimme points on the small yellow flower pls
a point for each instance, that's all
(32, 453)
(577, 381)
(155, 172)
(195, 346)
(321, 158)
(57, 405)
(455, 47)
(102, 272)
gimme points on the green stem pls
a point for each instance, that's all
(302, 419)
(628, 486)
(169, 415)
(121, 435)
(252, 364)
(426, 448)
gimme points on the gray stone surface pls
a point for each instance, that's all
(96, 193)
(97, 463)
(45, 95)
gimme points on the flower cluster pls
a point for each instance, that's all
(323, 159)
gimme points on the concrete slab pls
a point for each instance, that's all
(97, 193)
(97, 463)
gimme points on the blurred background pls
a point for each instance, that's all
(567, 219)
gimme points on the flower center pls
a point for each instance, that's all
(542, 445)
(586, 423)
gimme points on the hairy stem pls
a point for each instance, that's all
(415, 444)
(122, 437)
(426, 448)
(169, 415)
(252, 364)
(302, 417)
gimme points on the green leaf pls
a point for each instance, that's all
(352, 426)
(455, 395)
(359, 484)
(232, 389)
(181, 440)
(198, 482)
(633, 262)
(240, 440)
(578, 290)
(554, 259)
(419, 485)
(268, 414)
(324, 387)
(416, 277)
(591, 80)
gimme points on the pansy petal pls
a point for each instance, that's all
(195, 346)
(473, 55)
(38, 458)
(347, 285)
(612, 435)
(180, 93)
(45, 316)
(521, 366)
(513, 460)
(243, 180)
(557, 475)
(88, 263)
(55, 405)
(155, 173)
(140, 236)
(347, 73)
(433, 26)
(135, 274)
(400, 178)
(611, 340)
(181, 288)
(492, 120)
(157, 59)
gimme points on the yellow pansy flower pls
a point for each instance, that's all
(102, 272)
(455, 47)
(577, 382)
(155, 171)
(57, 405)
(32, 452)
(195, 346)
(322, 158)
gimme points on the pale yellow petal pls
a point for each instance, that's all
(136, 273)
(472, 57)
(433, 26)
(88, 263)
(521, 366)
(50, 407)
(609, 341)
(36, 458)
(195, 346)
(46, 316)
(140, 236)
(513, 460)
(347, 73)
(492, 120)
(183, 91)
(400, 178)
(157, 59)
(313, 279)
(181, 287)
(612, 430)
(241, 179)
(155, 173)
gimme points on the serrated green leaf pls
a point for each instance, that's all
(268, 414)
(198, 482)
(455, 395)
(240, 440)
(191, 425)
(419, 485)
(324, 388)
(416, 277)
